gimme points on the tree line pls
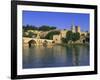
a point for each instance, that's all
(41, 28)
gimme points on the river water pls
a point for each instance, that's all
(55, 56)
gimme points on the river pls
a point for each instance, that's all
(56, 56)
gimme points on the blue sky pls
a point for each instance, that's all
(58, 19)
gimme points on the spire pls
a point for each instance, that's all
(73, 28)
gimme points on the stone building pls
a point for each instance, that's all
(78, 29)
(63, 33)
(57, 38)
(74, 29)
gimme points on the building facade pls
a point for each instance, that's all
(74, 29)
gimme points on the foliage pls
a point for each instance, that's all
(30, 34)
(76, 36)
(87, 37)
(24, 34)
(50, 34)
(29, 27)
(46, 28)
(41, 28)
(64, 40)
(70, 36)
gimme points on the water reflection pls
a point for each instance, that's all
(57, 56)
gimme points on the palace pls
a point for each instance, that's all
(74, 29)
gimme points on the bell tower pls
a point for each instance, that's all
(73, 28)
(78, 29)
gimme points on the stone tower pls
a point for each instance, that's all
(73, 28)
(78, 29)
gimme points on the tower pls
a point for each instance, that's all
(78, 29)
(73, 28)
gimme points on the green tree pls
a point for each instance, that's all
(24, 34)
(64, 40)
(69, 35)
(88, 37)
(41, 28)
(30, 35)
(46, 28)
(50, 34)
(76, 36)
(29, 27)
(52, 27)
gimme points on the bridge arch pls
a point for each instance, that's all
(31, 42)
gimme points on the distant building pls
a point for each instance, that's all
(57, 38)
(63, 33)
(78, 29)
(75, 29)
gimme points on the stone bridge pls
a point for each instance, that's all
(38, 41)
